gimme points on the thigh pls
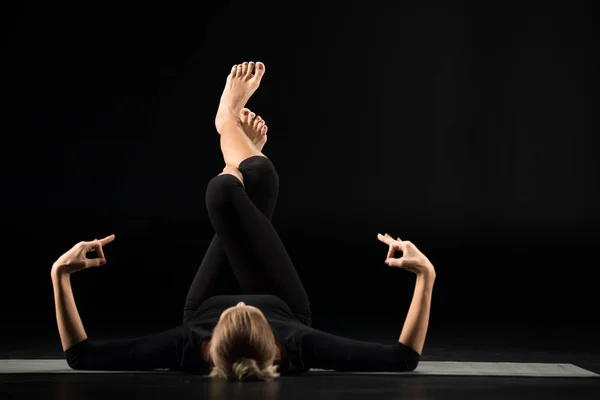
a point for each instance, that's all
(252, 244)
(215, 275)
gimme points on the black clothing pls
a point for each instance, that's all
(302, 347)
(240, 215)
(246, 255)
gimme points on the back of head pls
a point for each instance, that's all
(243, 347)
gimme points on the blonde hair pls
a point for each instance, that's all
(243, 347)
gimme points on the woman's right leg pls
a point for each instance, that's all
(215, 275)
(247, 235)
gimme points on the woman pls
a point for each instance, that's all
(265, 329)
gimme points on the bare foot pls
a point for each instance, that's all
(254, 127)
(241, 84)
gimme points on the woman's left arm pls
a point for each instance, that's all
(324, 350)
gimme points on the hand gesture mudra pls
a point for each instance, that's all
(411, 259)
(77, 258)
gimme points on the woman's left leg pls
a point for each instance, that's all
(248, 237)
(215, 275)
(253, 246)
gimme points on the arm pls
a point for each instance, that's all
(70, 327)
(169, 349)
(318, 349)
(69, 323)
(323, 350)
(417, 320)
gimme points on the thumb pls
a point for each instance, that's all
(394, 262)
(95, 262)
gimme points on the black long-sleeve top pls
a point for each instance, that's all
(302, 347)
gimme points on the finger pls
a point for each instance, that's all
(94, 262)
(388, 236)
(397, 246)
(97, 247)
(107, 240)
(395, 262)
(400, 246)
(94, 246)
(384, 239)
(391, 251)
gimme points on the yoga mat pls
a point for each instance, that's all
(455, 368)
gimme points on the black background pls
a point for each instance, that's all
(467, 129)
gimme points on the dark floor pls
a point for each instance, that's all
(365, 387)
(548, 347)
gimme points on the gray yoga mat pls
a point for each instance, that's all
(456, 368)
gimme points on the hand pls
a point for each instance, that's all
(76, 259)
(412, 259)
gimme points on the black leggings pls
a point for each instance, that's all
(246, 254)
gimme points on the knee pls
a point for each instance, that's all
(259, 171)
(233, 171)
(221, 189)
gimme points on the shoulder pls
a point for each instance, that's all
(232, 299)
(272, 306)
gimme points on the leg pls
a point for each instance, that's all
(250, 241)
(215, 275)
(252, 244)
(238, 150)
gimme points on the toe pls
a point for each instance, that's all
(237, 71)
(251, 118)
(259, 71)
(233, 71)
(245, 114)
(250, 69)
(244, 69)
(264, 130)
(258, 124)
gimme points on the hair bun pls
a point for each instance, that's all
(246, 369)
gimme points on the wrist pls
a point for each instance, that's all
(428, 272)
(58, 271)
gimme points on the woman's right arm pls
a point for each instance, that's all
(161, 350)
(68, 320)
(164, 350)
